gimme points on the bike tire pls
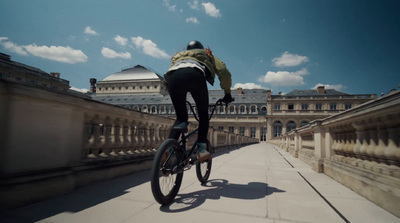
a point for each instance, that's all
(166, 186)
(203, 169)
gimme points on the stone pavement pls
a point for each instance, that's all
(256, 183)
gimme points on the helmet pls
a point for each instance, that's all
(194, 45)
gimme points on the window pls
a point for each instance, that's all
(242, 109)
(318, 107)
(253, 132)
(263, 134)
(347, 106)
(231, 129)
(153, 110)
(290, 126)
(232, 110)
(332, 106)
(277, 128)
(221, 109)
(277, 106)
(304, 107)
(253, 109)
(241, 130)
(303, 123)
(221, 128)
(264, 109)
(291, 106)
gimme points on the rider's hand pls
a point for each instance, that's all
(227, 98)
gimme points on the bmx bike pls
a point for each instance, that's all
(173, 158)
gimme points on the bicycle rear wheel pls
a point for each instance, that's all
(203, 169)
(164, 183)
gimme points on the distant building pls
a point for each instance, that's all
(299, 107)
(141, 89)
(256, 112)
(18, 72)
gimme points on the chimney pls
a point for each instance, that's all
(321, 89)
(93, 85)
(240, 90)
(269, 93)
(55, 74)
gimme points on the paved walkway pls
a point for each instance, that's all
(256, 183)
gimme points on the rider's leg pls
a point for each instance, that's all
(200, 95)
(177, 88)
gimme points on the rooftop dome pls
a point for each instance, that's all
(137, 72)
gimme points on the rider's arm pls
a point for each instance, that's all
(224, 76)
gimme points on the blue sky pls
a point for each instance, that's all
(352, 46)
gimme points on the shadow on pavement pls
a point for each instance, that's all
(76, 201)
(220, 188)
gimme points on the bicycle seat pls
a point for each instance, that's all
(181, 127)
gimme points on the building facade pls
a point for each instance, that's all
(141, 89)
(18, 72)
(255, 112)
(299, 107)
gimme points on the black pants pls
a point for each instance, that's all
(192, 80)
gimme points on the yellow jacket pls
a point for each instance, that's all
(213, 64)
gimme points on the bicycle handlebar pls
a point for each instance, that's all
(212, 106)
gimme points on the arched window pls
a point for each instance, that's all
(253, 109)
(242, 109)
(303, 123)
(162, 109)
(232, 109)
(290, 125)
(277, 128)
(145, 109)
(171, 110)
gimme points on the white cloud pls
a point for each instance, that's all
(149, 47)
(82, 90)
(192, 20)
(56, 53)
(194, 5)
(289, 60)
(90, 31)
(211, 10)
(109, 53)
(167, 3)
(285, 78)
(247, 86)
(122, 41)
(8, 45)
(338, 87)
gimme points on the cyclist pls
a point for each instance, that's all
(189, 71)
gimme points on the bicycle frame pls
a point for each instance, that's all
(185, 137)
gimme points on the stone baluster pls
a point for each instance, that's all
(141, 138)
(146, 137)
(152, 138)
(88, 134)
(116, 139)
(96, 141)
(107, 146)
(125, 138)
(392, 151)
(133, 138)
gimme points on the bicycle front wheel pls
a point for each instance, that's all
(165, 183)
(203, 169)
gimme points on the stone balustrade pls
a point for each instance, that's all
(359, 147)
(53, 142)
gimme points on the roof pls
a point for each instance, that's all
(254, 96)
(137, 72)
(314, 92)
